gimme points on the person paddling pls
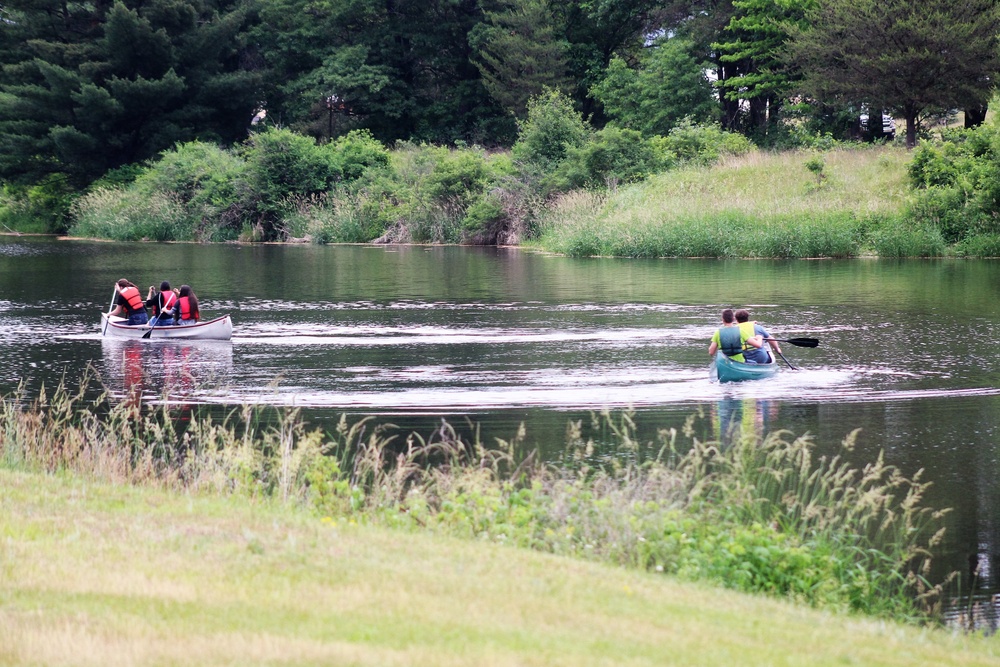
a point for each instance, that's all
(162, 303)
(129, 303)
(748, 328)
(185, 311)
(732, 339)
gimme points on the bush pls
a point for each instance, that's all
(701, 144)
(612, 156)
(908, 240)
(958, 183)
(552, 127)
(283, 167)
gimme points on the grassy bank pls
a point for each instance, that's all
(101, 574)
(840, 203)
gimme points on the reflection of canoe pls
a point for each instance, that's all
(221, 328)
(736, 371)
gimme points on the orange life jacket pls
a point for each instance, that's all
(168, 299)
(186, 313)
(134, 300)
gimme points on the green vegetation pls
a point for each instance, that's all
(755, 515)
(757, 205)
(96, 573)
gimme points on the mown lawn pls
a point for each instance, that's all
(95, 574)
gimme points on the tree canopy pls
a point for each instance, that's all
(908, 57)
(88, 87)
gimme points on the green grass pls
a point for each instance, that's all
(759, 205)
(99, 574)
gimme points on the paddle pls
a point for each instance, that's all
(801, 342)
(151, 325)
(107, 319)
(786, 361)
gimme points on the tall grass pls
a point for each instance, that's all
(757, 205)
(754, 514)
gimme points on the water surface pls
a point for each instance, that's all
(499, 337)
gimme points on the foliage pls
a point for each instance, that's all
(690, 143)
(941, 54)
(757, 205)
(131, 215)
(110, 84)
(40, 208)
(751, 48)
(958, 183)
(668, 86)
(552, 127)
(758, 515)
(519, 54)
(610, 157)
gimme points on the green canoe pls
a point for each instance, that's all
(737, 371)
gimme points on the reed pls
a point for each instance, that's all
(754, 514)
(757, 205)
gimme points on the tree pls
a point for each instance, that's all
(519, 54)
(751, 49)
(88, 87)
(908, 57)
(400, 69)
(669, 85)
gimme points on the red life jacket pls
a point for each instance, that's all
(186, 314)
(134, 300)
(168, 299)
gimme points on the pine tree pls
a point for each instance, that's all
(88, 87)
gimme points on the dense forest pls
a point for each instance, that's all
(586, 92)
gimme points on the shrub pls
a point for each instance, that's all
(702, 144)
(900, 239)
(357, 152)
(551, 128)
(281, 167)
(611, 156)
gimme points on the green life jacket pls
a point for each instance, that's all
(731, 342)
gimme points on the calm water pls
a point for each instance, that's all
(499, 337)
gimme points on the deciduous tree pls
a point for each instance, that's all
(905, 56)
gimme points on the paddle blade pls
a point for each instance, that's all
(804, 342)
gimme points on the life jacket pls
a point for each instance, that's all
(134, 300)
(168, 299)
(186, 314)
(732, 342)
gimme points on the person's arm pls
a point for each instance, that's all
(763, 332)
(118, 303)
(713, 347)
(755, 341)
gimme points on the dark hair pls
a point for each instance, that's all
(727, 316)
(742, 315)
(164, 286)
(123, 283)
(189, 293)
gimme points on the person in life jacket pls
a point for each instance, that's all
(750, 328)
(731, 339)
(185, 311)
(162, 303)
(129, 303)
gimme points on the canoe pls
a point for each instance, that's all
(221, 328)
(737, 371)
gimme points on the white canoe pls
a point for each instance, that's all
(221, 328)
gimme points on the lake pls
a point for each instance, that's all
(500, 337)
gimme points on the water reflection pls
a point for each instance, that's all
(732, 418)
(172, 371)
